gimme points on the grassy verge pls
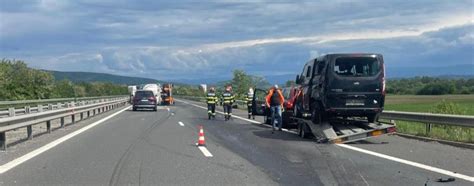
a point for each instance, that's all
(459, 104)
(412, 103)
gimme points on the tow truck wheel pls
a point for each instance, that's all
(316, 115)
(302, 130)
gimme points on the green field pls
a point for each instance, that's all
(412, 103)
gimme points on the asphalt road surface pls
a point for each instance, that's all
(159, 148)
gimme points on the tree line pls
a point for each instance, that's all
(19, 82)
(430, 86)
(241, 82)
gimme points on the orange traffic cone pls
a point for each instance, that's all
(201, 140)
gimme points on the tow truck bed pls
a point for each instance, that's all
(343, 130)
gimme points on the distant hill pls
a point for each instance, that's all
(101, 77)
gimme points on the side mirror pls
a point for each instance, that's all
(297, 81)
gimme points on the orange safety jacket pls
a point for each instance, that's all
(270, 94)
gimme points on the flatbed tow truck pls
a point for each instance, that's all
(336, 130)
(341, 130)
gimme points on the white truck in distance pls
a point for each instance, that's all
(156, 90)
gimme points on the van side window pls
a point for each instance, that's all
(308, 71)
(321, 65)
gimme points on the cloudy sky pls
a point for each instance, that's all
(178, 40)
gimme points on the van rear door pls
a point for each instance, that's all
(356, 82)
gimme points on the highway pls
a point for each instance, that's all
(158, 148)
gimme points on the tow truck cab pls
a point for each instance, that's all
(344, 85)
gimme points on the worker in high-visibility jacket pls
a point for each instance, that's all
(211, 102)
(228, 100)
(249, 102)
(274, 101)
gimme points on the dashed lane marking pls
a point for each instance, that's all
(205, 151)
(181, 123)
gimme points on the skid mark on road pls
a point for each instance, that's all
(406, 162)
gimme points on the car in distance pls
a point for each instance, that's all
(145, 99)
(342, 85)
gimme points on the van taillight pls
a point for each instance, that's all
(383, 80)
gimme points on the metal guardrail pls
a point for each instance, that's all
(428, 118)
(52, 105)
(442, 119)
(84, 111)
(55, 100)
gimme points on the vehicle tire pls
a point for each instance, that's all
(316, 114)
(134, 108)
(302, 132)
(296, 112)
(268, 120)
(372, 118)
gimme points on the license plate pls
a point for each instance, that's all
(355, 102)
(144, 99)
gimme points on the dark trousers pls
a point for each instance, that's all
(211, 109)
(227, 109)
(249, 108)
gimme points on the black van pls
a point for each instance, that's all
(346, 85)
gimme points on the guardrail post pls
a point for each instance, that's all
(29, 130)
(62, 122)
(40, 108)
(82, 116)
(88, 113)
(429, 126)
(3, 141)
(73, 118)
(50, 106)
(48, 126)
(27, 109)
(11, 112)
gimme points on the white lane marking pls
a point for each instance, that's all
(12, 164)
(411, 163)
(426, 167)
(205, 151)
(181, 123)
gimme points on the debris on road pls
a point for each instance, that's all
(445, 180)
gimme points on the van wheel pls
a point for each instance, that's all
(302, 132)
(372, 118)
(316, 114)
